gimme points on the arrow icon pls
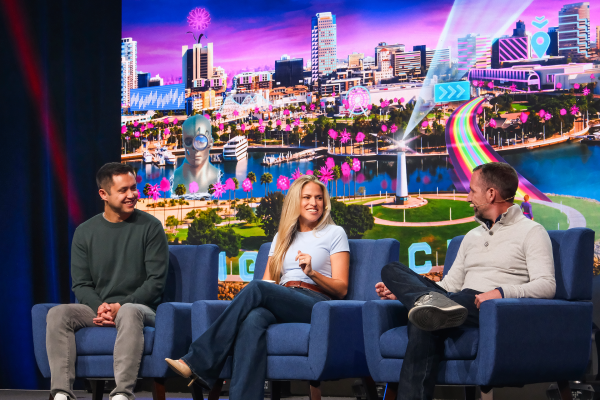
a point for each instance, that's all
(450, 88)
(460, 90)
(443, 91)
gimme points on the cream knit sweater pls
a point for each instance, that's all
(516, 255)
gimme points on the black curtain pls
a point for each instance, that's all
(60, 63)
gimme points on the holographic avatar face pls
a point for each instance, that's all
(197, 140)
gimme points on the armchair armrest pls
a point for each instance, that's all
(379, 316)
(39, 312)
(336, 345)
(204, 313)
(533, 340)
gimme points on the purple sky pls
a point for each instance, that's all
(254, 36)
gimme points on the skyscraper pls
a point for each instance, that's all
(289, 72)
(323, 45)
(519, 31)
(432, 58)
(553, 48)
(128, 68)
(392, 48)
(474, 51)
(574, 29)
(143, 79)
(196, 65)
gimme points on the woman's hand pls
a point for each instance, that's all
(304, 260)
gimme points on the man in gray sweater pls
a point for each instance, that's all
(507, 256)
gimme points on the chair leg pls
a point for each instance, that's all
(564, 390)
(488, 396)
(391, 391)
(470, 392)
(370, 388)
(275, 390)
(215, 392)
(97, 389)
(158, 389)
(51, 398)
(197, 392)
(315, 390)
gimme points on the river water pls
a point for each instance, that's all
(570, 168)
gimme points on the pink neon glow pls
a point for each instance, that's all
(166, 121)
(547, 116)
(218, 116)
(243, 127)
(401, 100)
(167, 132)
(261, 129)
(199, 18)
(558, 85)
(425, 124)
(369, 106)
(297, 174)
(123, 129)
(542, 112)
(345, 169)
(278, 123)
(355, 164)
(303, 108)
(135, 123)
(586, 91)
(393, 128)
(235, 113)
(207, 116)
(247, 185)
(221, 127)
(270, 108)
(333, 134)
(175, 121)
(309, 172)
(330, 163)
(165, 185)
(523, 117)
(312, 107)
(154, 192)
(345, 138)
(136, 134)
(138, 179)
(229, 184)
(592, 75)
(288, 128)
(150, 125)
(475, 83)
(219, 189)
(395, 99)
(576, 86)
(260, 121)
(297, 122)
(326, 174)
(256, 110)
(563, 111)
(493, 123)
(286, 112)
(383, 128)
(360, 137)
(193, 187)
(574, 110)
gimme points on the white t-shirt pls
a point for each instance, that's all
(320, 245)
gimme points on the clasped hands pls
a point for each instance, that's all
(106, 314)
(385, 294)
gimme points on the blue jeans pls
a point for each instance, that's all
(242, 328)
(425, 349)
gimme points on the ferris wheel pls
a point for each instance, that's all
(358, 99)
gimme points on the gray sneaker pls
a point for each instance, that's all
(435, 311)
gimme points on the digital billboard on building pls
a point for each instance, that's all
(168, 97)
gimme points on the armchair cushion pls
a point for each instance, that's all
(288, 339)
(96, 341)
(460, 345)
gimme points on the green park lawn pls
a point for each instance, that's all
(435, 210)
(550, 218)
(520, 107)
(589, 209)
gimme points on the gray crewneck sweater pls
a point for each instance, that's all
(515, 255)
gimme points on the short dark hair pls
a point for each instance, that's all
(500, 176)
(104, 176)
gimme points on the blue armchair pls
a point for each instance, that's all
(519, 341)
(192, 276)
(330, 347)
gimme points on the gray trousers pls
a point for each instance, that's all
(64, 320)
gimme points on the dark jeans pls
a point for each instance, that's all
(425, 349)
(242, 328)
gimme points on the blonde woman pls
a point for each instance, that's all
(308, 263)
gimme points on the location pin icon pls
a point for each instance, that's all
(540, 41)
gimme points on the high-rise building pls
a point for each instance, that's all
(196, 65)
(553, 48)
(253, 81)
(143, 79)
(128, 68)
(156, 81)
(384, 65)
(520, 29)
(432, 58)
(355, 60)
(574, 29)
(289, 72)
(598, 36)
(474, 51)
(408, 62)
(392, 48)
(323, 45)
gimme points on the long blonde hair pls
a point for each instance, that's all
(288, 224)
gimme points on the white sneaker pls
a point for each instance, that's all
(119, 397)
(61, 396)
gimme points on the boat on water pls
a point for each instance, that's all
(235, 149)
(593, 139)
(169, 157)
(147, 157)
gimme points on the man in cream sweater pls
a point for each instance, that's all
(507, 256)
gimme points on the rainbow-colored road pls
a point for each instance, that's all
(468, 148)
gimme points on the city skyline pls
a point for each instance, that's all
(250, 37)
